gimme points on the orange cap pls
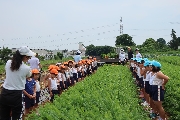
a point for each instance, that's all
(51, 67)
(54, 71)
(62, 66)
(70, 61)
(57, 68)
(35, 71)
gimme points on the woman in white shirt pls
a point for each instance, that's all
(122, 57)
(138, 54)
(16, 73)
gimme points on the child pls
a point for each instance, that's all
(71, 72)
(95, 65)
(30, 92)
(67, 74)
(35, 75)
(63, 76)
(79, 71)
(75, 74)
(159, 80)
(52, 84)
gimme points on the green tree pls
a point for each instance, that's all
(124, 40)
(98, 50)
(161, 45)
(60, 55)
(149, 45)
(161, 41)
(5, 54)
(175, 42)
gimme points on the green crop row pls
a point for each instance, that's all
(175, 60)
(107, 95)
(172, 94)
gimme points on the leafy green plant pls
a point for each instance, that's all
(109, 94)
(172, 94)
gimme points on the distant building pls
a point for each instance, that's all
(46, 53)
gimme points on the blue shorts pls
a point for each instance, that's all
(72, 80)
(75, 77)
(146, 86)
(141, 82)
(157, 93)
(95, 68)
(54, 92)
(150, 91)
(28, 102)
(79, 75)
(37, 96)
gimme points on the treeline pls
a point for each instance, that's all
(150, 45)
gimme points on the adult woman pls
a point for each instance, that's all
(122, 57)
(138, 54)
(16, 73)
(77, 57)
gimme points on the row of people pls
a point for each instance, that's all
(151, 81)
(59, 78)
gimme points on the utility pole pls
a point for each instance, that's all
(121, 26)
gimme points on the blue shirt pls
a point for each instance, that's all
(77, 58)
(29, 86)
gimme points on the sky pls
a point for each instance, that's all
(62, 24)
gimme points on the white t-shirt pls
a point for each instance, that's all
(16, 80)
(38, 87)
(53, 83)
(34, 63)
(138, 55)
(121, 56)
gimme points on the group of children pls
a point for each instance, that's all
(151, 81)
(59, 78)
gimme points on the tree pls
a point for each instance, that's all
(98, 50)
(175, 42)
(5, 54)
(149, 45)
(161, 45)
(161, 41)
(60, 55)
(91, 50)
(124, 40)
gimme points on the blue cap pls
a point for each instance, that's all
(156, 64)
(147, 63)
(145, 59)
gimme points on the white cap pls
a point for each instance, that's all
(58, 63)
(78, 51)
(24, 50)
(122, 49)
(137, 49)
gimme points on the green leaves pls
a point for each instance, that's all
(170, 67)
(109, 94)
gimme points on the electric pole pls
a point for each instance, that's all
(121, 26)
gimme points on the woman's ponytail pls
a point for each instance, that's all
(16, 61)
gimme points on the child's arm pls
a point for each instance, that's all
(25, 93)
(49, 87)
(62, 79)
(34, 91)
(45, 78)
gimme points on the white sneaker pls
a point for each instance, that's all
(145, 104)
